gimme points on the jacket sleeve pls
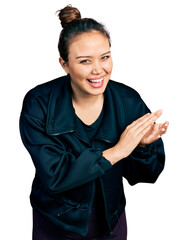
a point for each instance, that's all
(58, 169)
(143, 164)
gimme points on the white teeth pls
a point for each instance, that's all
(96, 81)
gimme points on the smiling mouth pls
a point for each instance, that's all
(96, 83)
(96, 80)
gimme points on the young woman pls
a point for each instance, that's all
(85, 133)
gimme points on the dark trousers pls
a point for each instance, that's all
(45, 230)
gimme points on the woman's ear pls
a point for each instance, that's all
(64, 65)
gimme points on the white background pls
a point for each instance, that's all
(150, 53)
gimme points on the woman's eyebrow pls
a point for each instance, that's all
(91, 56)
(106, 53)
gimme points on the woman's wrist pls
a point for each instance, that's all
(113, 155)
(109, 154)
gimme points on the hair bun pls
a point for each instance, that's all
(68, 14)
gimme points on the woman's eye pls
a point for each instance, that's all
(85, 61)
(105, 57)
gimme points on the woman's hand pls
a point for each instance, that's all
(140, 132)
(155, 131)
(130, 138)
(133, 134)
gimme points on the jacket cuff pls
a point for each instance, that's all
(145, 152)
(103, 162)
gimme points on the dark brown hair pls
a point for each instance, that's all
(74, 25)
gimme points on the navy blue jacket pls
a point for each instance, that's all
(67, 165)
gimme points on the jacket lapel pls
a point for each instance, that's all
(61, 114)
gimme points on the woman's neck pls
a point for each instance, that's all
(89, 108)
(87, 102)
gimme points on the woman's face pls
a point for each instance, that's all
(89, 64)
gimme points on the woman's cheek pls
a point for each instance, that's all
(108, 66)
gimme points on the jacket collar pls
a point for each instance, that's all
(61, 114)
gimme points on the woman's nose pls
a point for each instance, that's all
(97, 68)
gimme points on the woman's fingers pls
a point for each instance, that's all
(140, 121)
(143, 131)
(144, 123)
(164, 127)
(157, 114)
(134, 125)
(146, 117)
(155, 133)
(145, 126)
